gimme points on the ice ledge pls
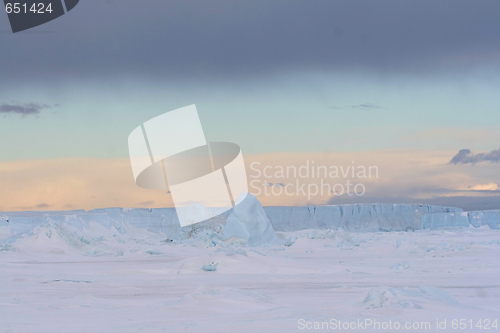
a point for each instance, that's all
(475, 219)
(353, 218)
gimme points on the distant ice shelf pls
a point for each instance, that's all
(476, 219)
(354, 218)
(351, 218)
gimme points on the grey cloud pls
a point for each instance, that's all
(189, 39)
(467, 203)
(465, 156)
(366, 106)
(276, 184)
(23, 109)
(40, 206)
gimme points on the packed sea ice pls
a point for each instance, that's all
(119, 270)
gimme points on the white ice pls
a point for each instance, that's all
(119, 270)
(250, 222)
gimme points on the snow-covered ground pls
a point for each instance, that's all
(63, 277)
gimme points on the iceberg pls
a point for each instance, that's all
(490, 218)
(250, 222)
(353, 218)
(476, 219)
(436, 221)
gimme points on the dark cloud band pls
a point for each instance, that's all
(23, 109)
(186, 39)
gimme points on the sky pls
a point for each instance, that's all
(414, 79)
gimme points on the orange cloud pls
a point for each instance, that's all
(87, 183)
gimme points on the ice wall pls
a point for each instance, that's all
(436, 221)
(486, 217)
(476, 219)
(155, 220)
(354, 218)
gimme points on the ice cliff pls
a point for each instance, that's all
(351, 218)
(476, 219)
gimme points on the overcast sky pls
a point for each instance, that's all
(272, 76)
(243, 39)
(260, 72)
